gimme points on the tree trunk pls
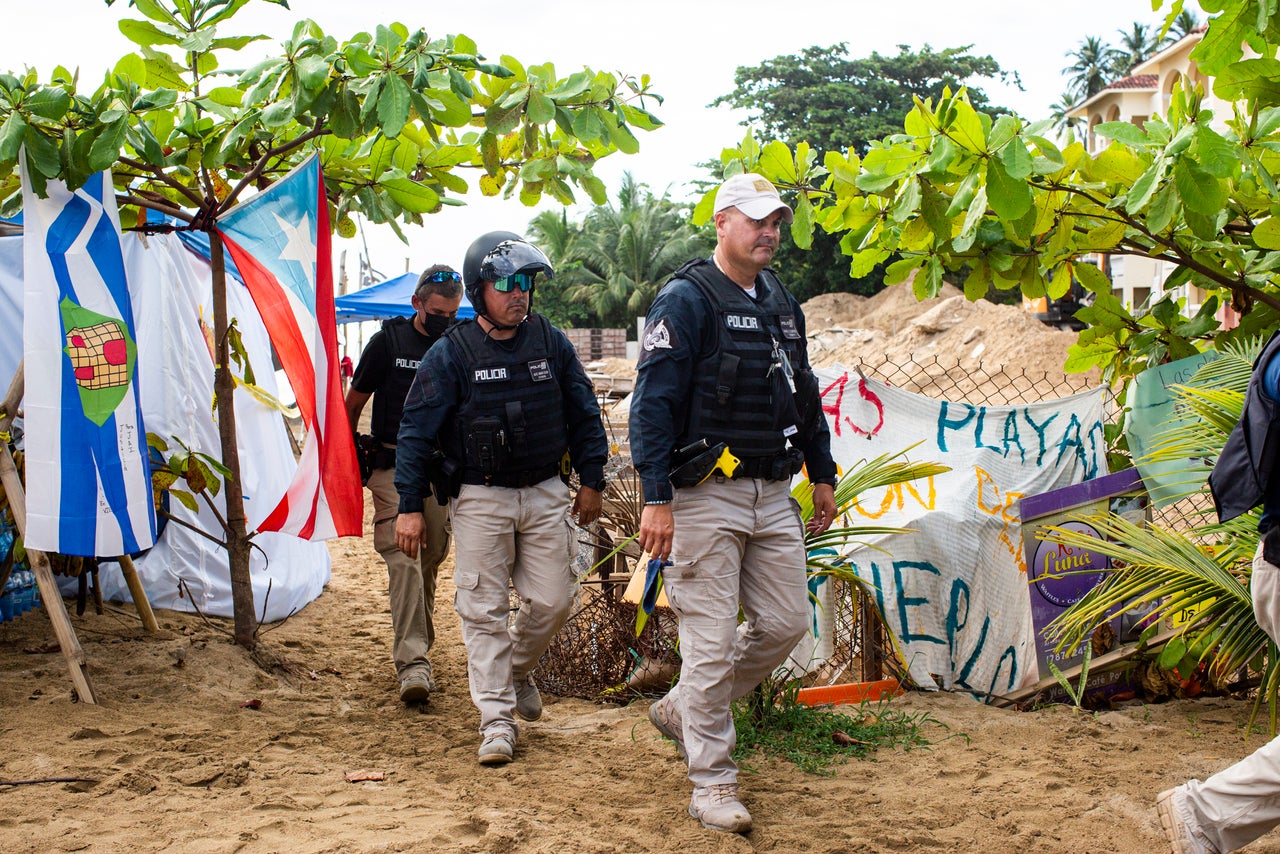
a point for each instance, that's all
(224, 387)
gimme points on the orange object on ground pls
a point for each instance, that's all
(849, 693)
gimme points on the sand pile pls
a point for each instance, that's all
(894, 325)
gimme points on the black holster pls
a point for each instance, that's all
(445, 476)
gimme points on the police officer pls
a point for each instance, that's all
(492, 411)
(386, 370)
(723, 360)
(1241, 803)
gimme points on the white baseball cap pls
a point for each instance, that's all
(753, 195)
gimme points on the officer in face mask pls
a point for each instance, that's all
(385, 373)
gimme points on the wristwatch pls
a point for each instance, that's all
(598, 486)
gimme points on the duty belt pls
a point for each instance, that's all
(511, 480)
(780, 467)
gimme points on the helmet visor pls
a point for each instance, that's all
(514, 256)
(521, 281)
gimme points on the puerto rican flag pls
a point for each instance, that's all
(88, 477)
(280, 243)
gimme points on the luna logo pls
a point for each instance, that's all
(742, 321)
(488, 375)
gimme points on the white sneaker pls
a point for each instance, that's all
(497, 749)
(718, 808)
(1173, 820)
(528, 699)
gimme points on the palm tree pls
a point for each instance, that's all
(625, 253)
(1093, 68)
(1060, 113)
(1204, 568)
(1136, 44)
(1182, 25)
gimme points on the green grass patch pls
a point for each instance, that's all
(772, 722)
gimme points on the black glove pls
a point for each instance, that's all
(366, 449)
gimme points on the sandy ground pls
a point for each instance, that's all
(178, 765)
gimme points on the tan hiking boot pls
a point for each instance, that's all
(664, 714)
(718, 808)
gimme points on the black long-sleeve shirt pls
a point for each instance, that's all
(440, 387)
(679, 330)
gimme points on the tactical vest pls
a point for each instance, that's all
(733, 398)
(1243, 476)
(514, 393)
(406, 347)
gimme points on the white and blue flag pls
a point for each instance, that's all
(87, 470)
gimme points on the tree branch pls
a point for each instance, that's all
(261, 166)
(162, 176)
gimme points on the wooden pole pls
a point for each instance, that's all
(139, 595)
(49, 592)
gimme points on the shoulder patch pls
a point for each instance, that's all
(658, 336)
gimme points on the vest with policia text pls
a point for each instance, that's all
(1245, 473)
(512, 391)
(733, 398)
(405, 349)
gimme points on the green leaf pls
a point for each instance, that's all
(131, 67)
(49, 102)
(541, 109)
(393, 105)
(1010, 197)
(106, 148)
(802, 223)
(227, 96)
(1164, 206)
(571, 87)
(1251, 79)
(1126, 132)
(156, 12)
(42, 153)
(1200, 191)
(411, 195)
(11, 136)
(1144, 188)
(1266, 234)
(776, 162)
(969, 230)
(1216, 155)
(1094, 280)
(1016, 160)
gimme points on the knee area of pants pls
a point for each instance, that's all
(783, 626)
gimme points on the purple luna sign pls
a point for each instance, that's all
(1058, 576)
(1049, 567)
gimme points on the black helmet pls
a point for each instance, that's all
(497, 255)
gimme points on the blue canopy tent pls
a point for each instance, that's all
(386, 299)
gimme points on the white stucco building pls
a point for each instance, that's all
(1146, 92)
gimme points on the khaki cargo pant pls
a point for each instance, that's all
(1239, 804)
(736, 542)
(411, 584)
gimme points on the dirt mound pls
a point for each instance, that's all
(894, 325)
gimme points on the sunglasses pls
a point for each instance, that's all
(444, 276)
(523, 281)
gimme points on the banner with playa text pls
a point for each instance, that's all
(954, 591)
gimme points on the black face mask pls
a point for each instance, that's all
(436, 324)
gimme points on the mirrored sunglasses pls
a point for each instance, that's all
(444, 276)
(523, 281)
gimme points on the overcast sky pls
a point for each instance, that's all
(689, 48)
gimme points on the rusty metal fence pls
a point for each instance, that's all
(598, 654)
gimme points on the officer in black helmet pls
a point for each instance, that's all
(493, 408)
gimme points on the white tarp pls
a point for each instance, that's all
(954, 592)
(172, 291)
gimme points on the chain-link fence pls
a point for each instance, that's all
(598, 654)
